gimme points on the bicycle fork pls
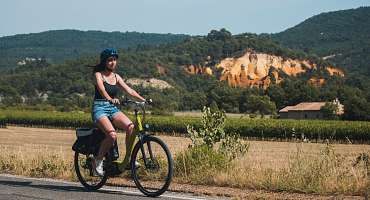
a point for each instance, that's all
(142, 149)
(142, 143)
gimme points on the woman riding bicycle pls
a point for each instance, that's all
(105, 112)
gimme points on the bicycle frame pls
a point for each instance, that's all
(141, 134)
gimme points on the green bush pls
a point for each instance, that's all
(212, 132)
(232, 146)
(199, 164)
(211, 150)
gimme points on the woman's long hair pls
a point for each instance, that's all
(99, 67)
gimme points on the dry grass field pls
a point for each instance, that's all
(265, 153)
(31, 140)
(266, 165)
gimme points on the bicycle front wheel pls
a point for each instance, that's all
(152, 172)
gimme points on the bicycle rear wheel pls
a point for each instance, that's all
(85, 172)
(154, 173)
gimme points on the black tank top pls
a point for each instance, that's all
(112, 90)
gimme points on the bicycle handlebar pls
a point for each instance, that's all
(136, 103)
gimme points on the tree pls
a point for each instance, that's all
(222, 34)
(329, 111)
(277, 94)
(356, 108)
(193, 101)
(261, 104)
(227, 98)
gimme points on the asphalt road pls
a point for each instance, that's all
(23, 188)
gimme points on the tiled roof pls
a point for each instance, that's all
(286, 109)
(304, 106)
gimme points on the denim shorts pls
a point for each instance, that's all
(103, 108)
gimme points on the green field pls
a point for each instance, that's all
(264, 129)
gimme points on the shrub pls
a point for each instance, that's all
(202, 161)
(200, 164)
(233, 147)
(212, 132)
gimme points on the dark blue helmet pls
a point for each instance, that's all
(110, 52)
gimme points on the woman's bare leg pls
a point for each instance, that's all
(123, 122)
(106, 126)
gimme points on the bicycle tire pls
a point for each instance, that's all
(168, 169)
(80, 175)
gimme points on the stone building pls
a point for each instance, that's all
(307, 110)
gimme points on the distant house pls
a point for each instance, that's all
(307, 110)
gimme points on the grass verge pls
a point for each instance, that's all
(326, 173)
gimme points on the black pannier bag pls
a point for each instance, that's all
(88, 142)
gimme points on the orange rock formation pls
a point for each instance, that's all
(335, 71)
(252, 69)
(192, 69)
(260, 70)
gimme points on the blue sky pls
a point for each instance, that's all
(195, 17)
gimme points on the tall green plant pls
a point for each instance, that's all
(212, 132)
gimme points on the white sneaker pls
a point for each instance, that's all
(137, 165)
(99, 167)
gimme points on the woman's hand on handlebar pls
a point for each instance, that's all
(114, 101)
(149, 101)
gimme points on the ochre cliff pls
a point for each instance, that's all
(192, 69)
(335, 71)
(260, 70)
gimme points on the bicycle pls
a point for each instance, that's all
(153, 173)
